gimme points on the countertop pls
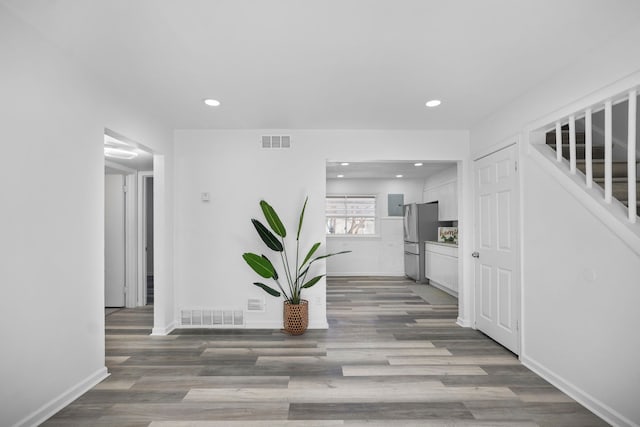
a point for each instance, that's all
(450, 245)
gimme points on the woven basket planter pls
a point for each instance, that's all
(296, 317)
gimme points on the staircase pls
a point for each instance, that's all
(620, 181)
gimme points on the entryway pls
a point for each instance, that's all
(129, 280)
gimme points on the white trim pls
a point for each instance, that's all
(162, 331)
(494, 148)
(466, 243)
(614, 215)
(131, 240)
(524, 146)
(465, 323)
(599, 408)
(399, 274)
(164, 310)
(49, 409)
(141, 293)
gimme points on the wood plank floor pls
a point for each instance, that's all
(389, 358)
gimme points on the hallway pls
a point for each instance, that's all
(389, 357)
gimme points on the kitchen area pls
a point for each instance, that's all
(430, 247)
(416, 220)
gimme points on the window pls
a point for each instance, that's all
(351, 215)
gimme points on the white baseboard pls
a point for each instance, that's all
(365, 273)
(52, 407)
(599, 408)
(463, 322)
(164, 331)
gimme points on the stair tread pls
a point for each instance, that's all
(615, 180)
(623, 162)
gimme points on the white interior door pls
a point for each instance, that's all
(114, 241)
(497, 278)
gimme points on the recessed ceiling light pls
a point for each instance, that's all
(344, 164)
(433, 103)
(212, 102)
(119, 153)
(418, 164)
(340, 176)
(398, 176)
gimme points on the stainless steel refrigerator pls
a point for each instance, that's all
(420, 225)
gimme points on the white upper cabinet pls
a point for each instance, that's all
(443, 188)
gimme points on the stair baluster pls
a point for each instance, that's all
(572, 144)
(608, 151)
(588, 153)
(558, 141)
(631, 157)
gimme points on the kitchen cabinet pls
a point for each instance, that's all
(447, 197)
(441, 266)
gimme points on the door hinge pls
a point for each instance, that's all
(124, 188)
(517, 325)
(516, 162)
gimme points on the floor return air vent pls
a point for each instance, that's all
(211, 318)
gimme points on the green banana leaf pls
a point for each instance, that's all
(304, 207)
(328, 255)
(267, 289)
(272, 219)
(313, 249)
(260, 264)
(267, 237)
(312, 282)
(275, 272)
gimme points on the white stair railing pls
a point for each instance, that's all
(572, 144)
(558, 141)
(588, 147)
(608, 150)
(632, 155)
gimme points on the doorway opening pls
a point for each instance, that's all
(128, 209)
(146, 235)
(399, 219)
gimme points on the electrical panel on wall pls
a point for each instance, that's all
(394, 204)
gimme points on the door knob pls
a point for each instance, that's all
(475, 255)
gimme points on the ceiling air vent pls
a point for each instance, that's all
(276, 141)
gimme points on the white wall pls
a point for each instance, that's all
(380, 255)
(231, 166)
(580, 282)
(51, 222)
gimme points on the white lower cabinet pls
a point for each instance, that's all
(441, 266)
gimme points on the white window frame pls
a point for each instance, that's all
(375, 217)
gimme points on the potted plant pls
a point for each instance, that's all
(296, 313)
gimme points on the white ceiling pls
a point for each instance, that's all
(322, 64)
(386, 169)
